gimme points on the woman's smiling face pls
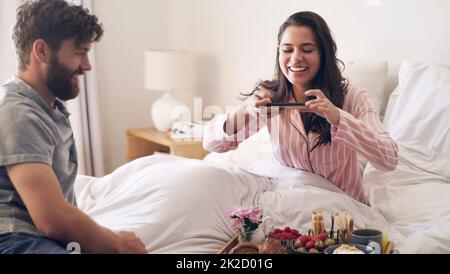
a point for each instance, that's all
(299, 56)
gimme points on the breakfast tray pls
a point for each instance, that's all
(229, 245)
(234, 241)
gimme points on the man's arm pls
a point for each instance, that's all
(40, 190)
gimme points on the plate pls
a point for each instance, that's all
(364, 248)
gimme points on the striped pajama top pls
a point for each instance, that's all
(359, 132)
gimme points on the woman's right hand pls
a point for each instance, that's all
(262, 97)
(129, 243)
(251, 107)
(258, 103)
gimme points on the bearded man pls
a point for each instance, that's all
(38, 159)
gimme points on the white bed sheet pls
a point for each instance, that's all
(176, 205)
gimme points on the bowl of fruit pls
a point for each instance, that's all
(287, 236)
(307, 244)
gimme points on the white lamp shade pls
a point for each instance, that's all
(168, 70)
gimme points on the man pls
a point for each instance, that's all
(38, 161)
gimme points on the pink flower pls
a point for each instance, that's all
(229, 213)
(239, 213)
(258, 210)
(255, 218)
(245, 219)
(245, 212)
(238, 224)
(256, 215)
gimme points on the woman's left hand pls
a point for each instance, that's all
(323, 107)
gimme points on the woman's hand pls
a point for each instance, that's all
(252, 106)
(323, 107)
(261, 99)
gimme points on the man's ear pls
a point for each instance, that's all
(41, 51)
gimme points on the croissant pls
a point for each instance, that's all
(272, 246)
(245, 248)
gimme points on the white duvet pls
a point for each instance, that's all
(177, 205)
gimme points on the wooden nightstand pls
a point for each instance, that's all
(144, 142)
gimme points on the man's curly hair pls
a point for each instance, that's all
(52, 21)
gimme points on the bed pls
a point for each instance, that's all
(177, 205)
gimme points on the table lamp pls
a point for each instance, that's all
(168, 71)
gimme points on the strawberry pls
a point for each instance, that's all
(287, 229)
(310, 244)
(277, 230)
(303, 239)
(307, 239)
(323, 236)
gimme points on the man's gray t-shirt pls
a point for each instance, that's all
(32, 132)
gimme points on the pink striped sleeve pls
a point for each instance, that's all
(216, 140)
(365, 134)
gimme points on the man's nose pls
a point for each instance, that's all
(86, 65)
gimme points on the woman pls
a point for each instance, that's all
(325, 137)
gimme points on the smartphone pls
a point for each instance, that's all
(286, 105)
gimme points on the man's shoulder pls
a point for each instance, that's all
(19, 114)
(11, 109)
(22, 123)
(11, 87)
(15, 105)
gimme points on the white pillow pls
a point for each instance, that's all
(402, 76)
(420, 120)
(372, 77)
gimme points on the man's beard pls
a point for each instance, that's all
(59, 80)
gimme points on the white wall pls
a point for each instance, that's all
(237, 39)
(130, 28)
(7, 53)
(235, 43)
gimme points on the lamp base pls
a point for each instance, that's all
(167, 110)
